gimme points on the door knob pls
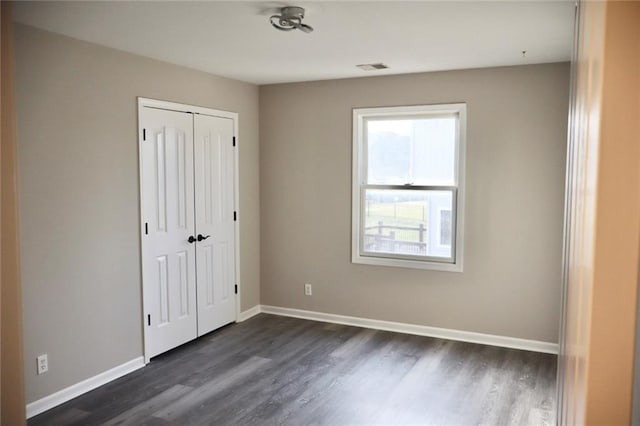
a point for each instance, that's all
(191, 239)
(201, 238)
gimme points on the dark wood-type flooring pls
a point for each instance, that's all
(275, 370)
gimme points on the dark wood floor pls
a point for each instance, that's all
(277, 370)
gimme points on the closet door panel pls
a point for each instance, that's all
(214, 211)
(167, 204)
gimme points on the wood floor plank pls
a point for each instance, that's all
(272, 370)
(140, 412)
(244, 396)
(214, 386)
(64, 416)
(261, 395)
(360, 395)
(407, 401)
(501, 398)
(301, 376)
(354, 344)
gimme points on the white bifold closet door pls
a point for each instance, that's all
(215, 255)
(188, 241)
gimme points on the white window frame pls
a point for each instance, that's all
(360, 115)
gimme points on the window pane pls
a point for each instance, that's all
(445, 227)
(408, 222)
(420, 151)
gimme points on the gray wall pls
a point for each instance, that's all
(78, 160)
(516, 144)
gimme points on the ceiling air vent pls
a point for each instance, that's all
(371, 67)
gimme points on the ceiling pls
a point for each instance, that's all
(234, 38)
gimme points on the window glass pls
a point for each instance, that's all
(445, 227)
(415, 151)
(407, 222)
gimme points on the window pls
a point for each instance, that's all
(408, 175)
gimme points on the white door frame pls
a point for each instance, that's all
(173, 106)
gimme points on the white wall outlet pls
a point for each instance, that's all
(43, 363)
(307, 290)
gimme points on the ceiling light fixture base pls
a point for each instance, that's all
(290, 18)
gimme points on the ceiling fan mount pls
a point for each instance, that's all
(290, 18)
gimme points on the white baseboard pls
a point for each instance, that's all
(251, 312)
(66, 394)
(420, 330)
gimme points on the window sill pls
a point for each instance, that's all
(405, 263)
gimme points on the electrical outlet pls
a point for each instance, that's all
(307, 290)
(43, 364)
